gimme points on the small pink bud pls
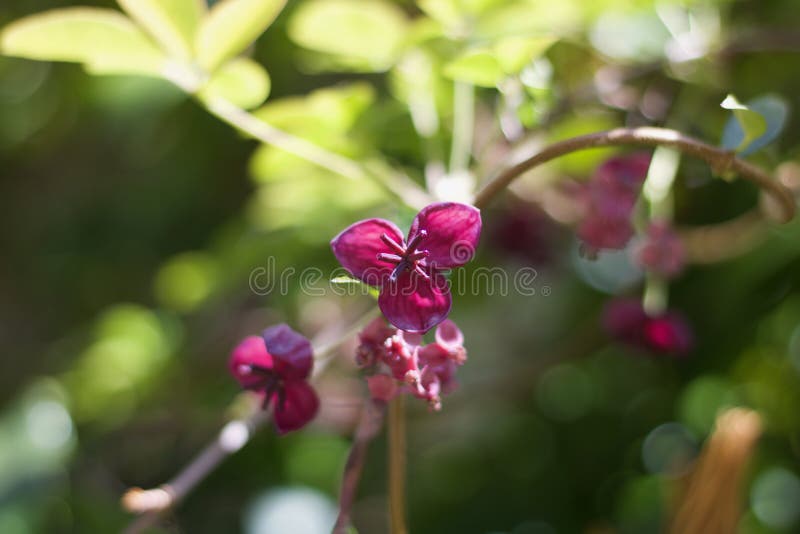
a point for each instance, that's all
(382, 387)
(662, 251)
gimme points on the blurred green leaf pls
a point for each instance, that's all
(523, 18)
(633, 36)
(774, 111)
(186, 280)
(231, 26)
(131, 347)
(478, 67)
(362, 36)
(241, 81)
(487, 66)
(703, 399)
(751, 123)
(173, 23)
(105, 41)
(515, 53)
(323, 116)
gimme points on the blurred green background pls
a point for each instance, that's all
(132, 221)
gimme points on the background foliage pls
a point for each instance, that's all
(131, 220)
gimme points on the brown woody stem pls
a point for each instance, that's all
(721, 161)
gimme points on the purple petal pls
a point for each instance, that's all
(297, 406)
(357, 248)
(292, 353)
(250, 351)
(414, 304)
(453, 233)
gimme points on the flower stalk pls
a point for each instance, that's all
(372, 416)
(397, 466)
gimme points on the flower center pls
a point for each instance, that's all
(406, 256)
(268, 380)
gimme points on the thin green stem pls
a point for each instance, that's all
(393, 181)
(463, 126)
(397, 466)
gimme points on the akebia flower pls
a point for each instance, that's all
(277, 365)
(662, 251)
(402, 363)
(667, 333)
(610, 197)
(414, 294)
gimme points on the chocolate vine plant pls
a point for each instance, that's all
(450, 65)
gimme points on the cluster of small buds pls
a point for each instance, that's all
(610, 197)
(626, 320)
(398, 362)
(661, 251)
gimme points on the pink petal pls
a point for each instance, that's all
(382, 387)
(250, 351)
(414, 304)
(357, 248)
(669, 334)
(298, 406)
(449, 335)
(292, 353)
(453, 233)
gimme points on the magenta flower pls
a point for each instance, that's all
(662, 251)
(414, 294)
(277, 366)
(400, 362)
(611, 195)
(668, 333)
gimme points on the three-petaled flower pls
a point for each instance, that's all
(414, 294)
(277, 365)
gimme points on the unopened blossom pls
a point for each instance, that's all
(402, 363)
(661, 251)
(277, 365)
(414, 294)
(610, 197)
(667, 333)
(382, 387)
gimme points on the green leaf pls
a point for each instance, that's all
(104, 41)
(361, 36)
(774, 110)
(752, 124)
(173, 23)
(323, 116)
(231, 26)
(478, 67)
(515, 53)
(242, 82)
